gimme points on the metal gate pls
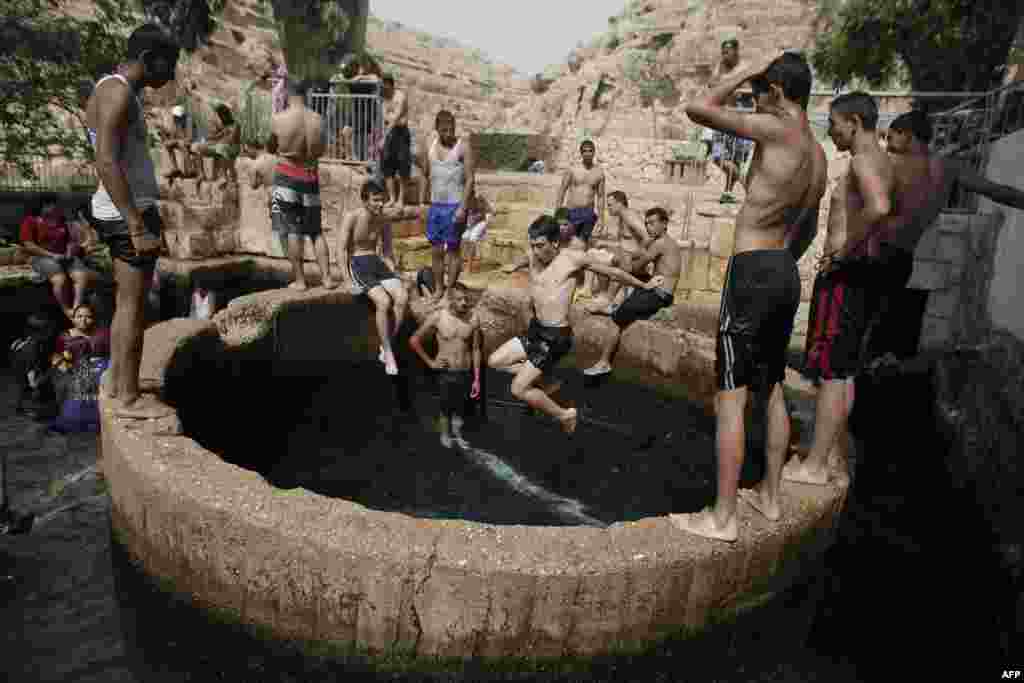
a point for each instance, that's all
(359, 110)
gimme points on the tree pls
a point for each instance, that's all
(316, 35)
(946, 45)
(49, 60)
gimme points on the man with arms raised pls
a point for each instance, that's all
(923, 185)
(396, 157)
(296, 137)
(667, 257)
(774, 227)
(842, 300)
(450, 178)
(125, 205)
(553, 280)
(368, 263)
(585, 188)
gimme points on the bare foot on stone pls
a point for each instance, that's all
(298, 286)
(143, 408)
(797, 471)
(569, 421)
(703, 524)
(755, 499)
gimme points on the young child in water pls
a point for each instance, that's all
(459, 341)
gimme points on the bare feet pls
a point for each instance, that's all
(330, 283)
(298, 286)
(756, 500)
(569, 421)
(390, 366)
(599, 368)
(798, 471)
(143, 407)
(703, 524)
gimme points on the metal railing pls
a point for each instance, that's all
(352, 121)
(56, 174)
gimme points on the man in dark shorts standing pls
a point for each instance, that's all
(554, 276)
(842, 299)
(396, 157)
(776, 224)
(667, 257)
(584, 186)
(364, 232)
(729, 152)
(459, 341)
(125, 205)
(297, 139)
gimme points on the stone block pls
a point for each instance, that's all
(928, 246)
(225, 241)
(717, 270)
(194, 246)
(929, 275)
(723, 237)
(700, 228)
(952, 248)
(706, 298)
(942, 303)
(935, 332)
(953, 223)
(696, 275)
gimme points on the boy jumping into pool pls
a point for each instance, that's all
(459, 342)
(368, 264)
(553, 281)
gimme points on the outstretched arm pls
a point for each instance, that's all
(972, 181)
(590, 263)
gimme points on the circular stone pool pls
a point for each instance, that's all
(298, 500)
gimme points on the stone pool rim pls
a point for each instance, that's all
(307, 567)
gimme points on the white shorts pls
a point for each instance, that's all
(475, 233)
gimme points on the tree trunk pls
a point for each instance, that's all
(317, 34)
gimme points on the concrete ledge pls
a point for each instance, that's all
(311, 568)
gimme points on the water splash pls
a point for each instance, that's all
(569, 509)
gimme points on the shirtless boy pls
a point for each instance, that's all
(295, 136)
(923, 184)
(632, 239)
(585, 188)
(776, 224)
(368, 264)
(396, 157)
(667, 257)
(553, 280)
(459, 341)
(730, 152)
(841, 303)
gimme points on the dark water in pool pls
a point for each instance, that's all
(635, 454)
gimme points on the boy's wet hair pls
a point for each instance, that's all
(619, 196)
(731, 42)
(151, 38)
(546, 227)
(916, 123)
(588, 143)
(792, 74)
(857, 104)
(297, 87)
(443, 115)
(371, 187)
(661, 213)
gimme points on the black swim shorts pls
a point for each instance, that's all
(546, 345)
(295, 201)
(396, 158)
(114, 233)
(759, 303)
(369, 271)
(841, 308)
(641, 305)
(583, 218)
(455, 386)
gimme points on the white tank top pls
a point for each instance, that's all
(133, 157)
(447, 176)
